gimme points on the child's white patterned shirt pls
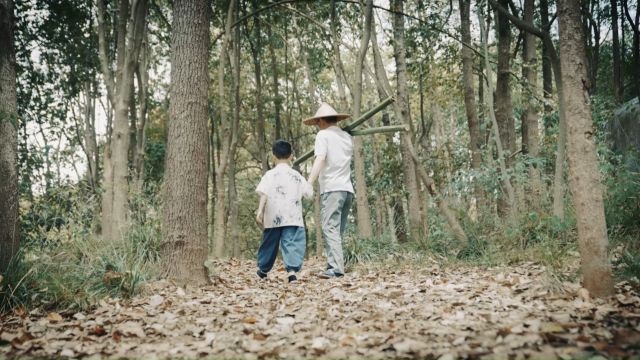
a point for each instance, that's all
(284, 188)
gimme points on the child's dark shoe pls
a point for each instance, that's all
(261, 275)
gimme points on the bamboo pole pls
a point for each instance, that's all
(379, 130)
(350, 127)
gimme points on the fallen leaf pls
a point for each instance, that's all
(54, 317)
(131, 328)
(156, 300)
(249, 320)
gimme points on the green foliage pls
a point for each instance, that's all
(154, 161)
(63, 263)
(622, 200)
(364, 250)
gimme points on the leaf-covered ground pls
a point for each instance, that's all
(420, 311)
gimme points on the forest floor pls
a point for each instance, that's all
(420, 310)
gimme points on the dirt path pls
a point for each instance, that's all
(424, 311)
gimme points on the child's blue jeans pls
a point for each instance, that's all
(293, 242)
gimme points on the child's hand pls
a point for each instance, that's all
(259, 219)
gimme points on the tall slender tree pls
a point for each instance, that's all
(9, 230)
(617, 59)
(584, 176)
(503, 105)
(547, 81)
(184, 248)
(635, 28)
(473, 123)
(129, 33)
(409, 168)
(227, 138)
(530, 133)
(362, 203)
(256, 52)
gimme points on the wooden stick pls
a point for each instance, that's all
(348, 128)
(379, 130)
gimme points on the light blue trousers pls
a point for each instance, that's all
(335, 207)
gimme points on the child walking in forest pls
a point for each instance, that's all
(280, 213)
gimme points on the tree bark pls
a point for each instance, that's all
(530, 133)
(473, 123)
(184, 247)
(220, 216)
(142, 74)
(617, 60)
(411, 182)
(276, 96)
(584, 176)
(90, 143)
(559, 181)
(384, 89)
(365, 229)
(337, 60)
(9, 225)
(547, 80)
(496, 127)
(503, 106)
(255, 52)
(129, 39)
(233, 194)
(635, 26)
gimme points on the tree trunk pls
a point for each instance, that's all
(411, 182)
(255, 52)
(220, 216)
(384, 88)
(90, 143)
(337, 60)
(9, 225)
(363, 213)
(635, 26)
(276, 96)
(503, 106)
(558, 183)
(141, 138)
(547, 81)
(584, 175)
(617, 60)
(129, 39)
(184, 248)
(530, 133)
(496, 128)
(396, 217)
(475, 139)
(133, 127)
(233, 195)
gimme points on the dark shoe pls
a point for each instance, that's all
(261, 275)
(292, 278)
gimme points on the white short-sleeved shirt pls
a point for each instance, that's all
(336, 145)
(284, 188)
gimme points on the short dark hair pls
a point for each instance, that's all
(281, 149)
(331, 119)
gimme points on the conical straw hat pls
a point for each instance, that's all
(325, 110)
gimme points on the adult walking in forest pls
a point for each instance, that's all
(332, 166)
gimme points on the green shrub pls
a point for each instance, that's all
(67, 265)
(364, 250)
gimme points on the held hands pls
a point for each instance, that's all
(259, 216)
